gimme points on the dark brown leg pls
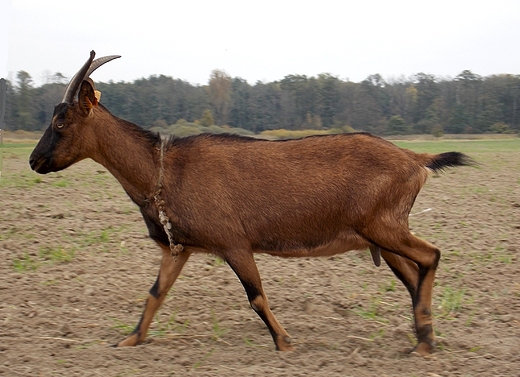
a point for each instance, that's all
(406, 270)
(423, 303)
(414, 262)
(244, 266)
(168, 273)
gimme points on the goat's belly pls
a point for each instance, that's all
(338, 245)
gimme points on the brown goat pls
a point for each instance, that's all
(234, 196)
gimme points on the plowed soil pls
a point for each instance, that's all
(77, 265)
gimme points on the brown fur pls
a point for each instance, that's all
(234, 196)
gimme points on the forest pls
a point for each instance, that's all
(419, 104)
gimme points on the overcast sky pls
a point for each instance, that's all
(260, 40)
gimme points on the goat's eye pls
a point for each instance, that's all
(60, 125)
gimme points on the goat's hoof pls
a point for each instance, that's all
(422, 349)
(283, 343)
(132, 340)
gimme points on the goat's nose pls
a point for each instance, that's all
(35, 163)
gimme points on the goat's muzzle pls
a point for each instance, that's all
(41, 159)
(40, 165)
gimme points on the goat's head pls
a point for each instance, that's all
(64, 141)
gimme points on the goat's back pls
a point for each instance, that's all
(319, 159)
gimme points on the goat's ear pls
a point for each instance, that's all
(87, 96)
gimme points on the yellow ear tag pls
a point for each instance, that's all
(97, 93)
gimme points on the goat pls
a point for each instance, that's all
(234, 196)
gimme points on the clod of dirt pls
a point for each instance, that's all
(88, 291)
(65, 330)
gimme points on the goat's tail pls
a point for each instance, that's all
(441, 161)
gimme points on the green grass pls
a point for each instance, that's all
(251, 343)
(56, 255)
(199, 363)
(22, 180)
(25, 263)
(46, 255)
(377, 334)
(464, 146)
(18, 146)
(123, 327)
(102, 238)
(388, 286)
(157, 329)
(17, 149)
(218, 330)
(170, 326)
(219, 262)
(451, 301)
(61, 183)
(372, 311)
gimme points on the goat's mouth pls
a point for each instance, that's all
(40, 165)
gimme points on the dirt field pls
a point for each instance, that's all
(77, 265)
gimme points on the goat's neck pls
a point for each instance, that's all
(127, 153)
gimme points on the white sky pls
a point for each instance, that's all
(260, 40)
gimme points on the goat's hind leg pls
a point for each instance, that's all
(244, 266)
(414, 262)
(406, 270)
(168, 273)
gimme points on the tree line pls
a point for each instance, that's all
(419, 104)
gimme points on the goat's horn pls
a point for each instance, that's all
(74, 84)
(85, 71)
(99, 62)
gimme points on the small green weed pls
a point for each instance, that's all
(451, 301)
(412, 338)
(469, 321)
(218, 330)
(46, 255)
(104, 236)
(97, 238)
(372, 312)
(388, 287)
(249, 342)
(219, 261)
(56, 255)
(122, 327)
(378, 334)
(171, 325)
(62, 183)
(502, 256)
(20, 180)
(25, 263)
(204, 358)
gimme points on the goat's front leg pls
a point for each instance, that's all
(244, 266)
(168, 273)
